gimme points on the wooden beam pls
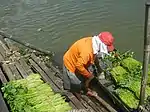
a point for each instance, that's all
(43, 75)
(20, 69)
(93, 105)
(2, 77)
(25, 66)
(8, 71)
(15, 71)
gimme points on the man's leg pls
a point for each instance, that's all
(66, 79)
(71, 83)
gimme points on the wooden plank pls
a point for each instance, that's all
(57, 72)
(105, 104)
(2, 77)
(44, 68)
(75, 101)
(88, 107)
(72, 105)
(4, 47)
(2, 51)
(25, 66)
(20, 69)
(8, 71)
(93, 105)
(3, 106)
(5, 51)
(43, 75)
(15, 71)
(20, 64)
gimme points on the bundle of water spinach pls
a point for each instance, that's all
(126, 74)
(33, 95)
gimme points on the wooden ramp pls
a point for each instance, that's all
(14, 65)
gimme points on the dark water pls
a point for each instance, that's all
(56, 24)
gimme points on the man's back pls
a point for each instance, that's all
(80, 49)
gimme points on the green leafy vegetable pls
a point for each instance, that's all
(127, 97)
(119, 74)
(132, 65)
(126, 72)
(33, 95)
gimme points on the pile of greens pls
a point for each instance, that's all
(33, 95)
(126, 75)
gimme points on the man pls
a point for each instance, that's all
(81, 55)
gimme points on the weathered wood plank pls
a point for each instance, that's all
(15, 71)
(43, 75)
(20, 69)
(5, 47)
(2, 77)
(3, 106)
(93, 105)
(20, 63)
(72, 105)
(25, 66)
(8, 71)
(75, 101)
(57, 72)
(2, 51)
(45, 68)
(88, 107)
(5, 51)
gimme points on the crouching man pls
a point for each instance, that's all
(79, 57)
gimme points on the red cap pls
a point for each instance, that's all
(107, 39)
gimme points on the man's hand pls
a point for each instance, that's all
(87, 82)
(91, 93)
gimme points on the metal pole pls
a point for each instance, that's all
(146, 52)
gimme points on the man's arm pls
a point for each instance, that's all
(81, 62)
(99, 69)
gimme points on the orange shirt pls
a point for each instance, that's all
(80, 56)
